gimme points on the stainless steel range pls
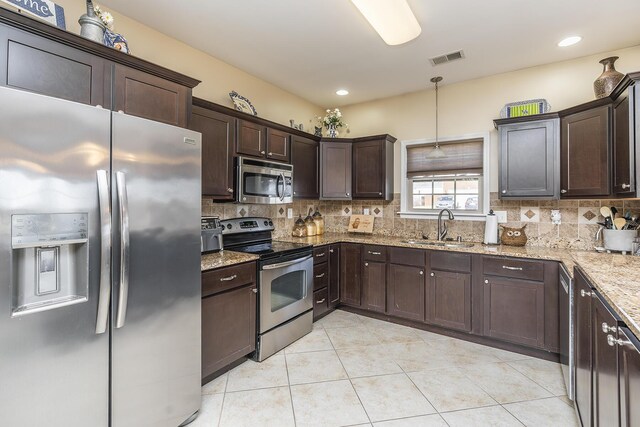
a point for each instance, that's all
(285, 282)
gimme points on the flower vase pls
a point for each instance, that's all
(608, 80)
(333, 131)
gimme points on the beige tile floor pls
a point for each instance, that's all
(353, 370)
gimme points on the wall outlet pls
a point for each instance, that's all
(502, 216)
(290, 213)
(366, 211)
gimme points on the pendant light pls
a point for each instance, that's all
(437, 152)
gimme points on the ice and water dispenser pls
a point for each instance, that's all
(50, 262)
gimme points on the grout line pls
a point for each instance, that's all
(293, 409)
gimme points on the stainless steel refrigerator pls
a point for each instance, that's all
(99, 266)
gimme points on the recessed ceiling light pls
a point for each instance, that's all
(569, 41)
(392, 19)
(342, 92)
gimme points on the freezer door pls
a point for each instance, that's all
(54, 367)
(156, 255)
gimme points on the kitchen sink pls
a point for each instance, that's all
(443, 244)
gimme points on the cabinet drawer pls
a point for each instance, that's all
(442, 260)
(223, 279)
(404, 256)
(516, 268)
(375, 253)
(320, 302)
(320, 254)
(320, 276)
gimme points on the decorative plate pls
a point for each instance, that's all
(242, 104)
(525, 108)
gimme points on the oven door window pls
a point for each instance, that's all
(287, 289)
(262, 185)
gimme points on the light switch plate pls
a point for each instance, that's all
(290, 213)
(502, 216)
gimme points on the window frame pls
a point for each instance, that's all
(406, 192)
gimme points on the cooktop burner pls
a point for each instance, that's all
(270, 249)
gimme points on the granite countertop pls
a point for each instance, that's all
(224, 259)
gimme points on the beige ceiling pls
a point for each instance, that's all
(314, 47)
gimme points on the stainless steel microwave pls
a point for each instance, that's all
(263, 182)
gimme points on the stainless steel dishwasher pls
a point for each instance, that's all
(567, 336)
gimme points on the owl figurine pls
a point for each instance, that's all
(513, 236)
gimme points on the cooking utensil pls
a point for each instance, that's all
(614, 212)
(619, 223)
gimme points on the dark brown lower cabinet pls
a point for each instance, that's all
(350, 272)
(406, 291)
(449, 300)
(629, 365)
(320, 302)
(514, 310)
(583, 339)
(228, 317)
(374, 285)
(334, 276)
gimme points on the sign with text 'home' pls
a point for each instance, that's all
(43, 9)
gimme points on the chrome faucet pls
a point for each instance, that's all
(442, 226)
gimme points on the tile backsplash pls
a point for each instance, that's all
(577, 230)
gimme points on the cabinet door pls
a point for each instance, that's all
(251, 139)
(320, 303)
(218, 141)
(623, 147)
(585, 155)
(514, 310)
(530, 159)
(449, 300)
(369, 170)
(228, 328)
(629, 362)
(334, 275)
(39, 65)
(335, 163)
(374, 286)
(605, 365)
(278, 145)
(583, 338)
(406, 291)
(350, 270)
(304, 157)
(140, 94)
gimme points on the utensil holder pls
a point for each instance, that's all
(618, 240)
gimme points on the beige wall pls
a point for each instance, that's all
(218, 78)
(471, 106)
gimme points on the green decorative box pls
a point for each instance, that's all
(525, 108)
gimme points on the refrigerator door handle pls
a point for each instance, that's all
(121, 185)
(105, 252)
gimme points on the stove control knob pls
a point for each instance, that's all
(229, 226)
(266, 223)
(271, 223)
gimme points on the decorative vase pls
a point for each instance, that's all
(91, 27)
(333, 131)
(608, 80)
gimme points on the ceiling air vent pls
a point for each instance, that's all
(448, 57)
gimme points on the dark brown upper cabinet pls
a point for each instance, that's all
(586, 153)
(140, 94)
(529, 165)
(218, 141)
(624, 169)
(252, 139)
(335, 174)
(278, 145)
(305, 160)
(373, 168)
(43, 66)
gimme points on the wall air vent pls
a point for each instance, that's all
(448, 57)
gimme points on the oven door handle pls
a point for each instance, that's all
(285, 264)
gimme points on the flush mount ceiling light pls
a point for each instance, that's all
(342, 92)
(437, 152)
(569, 41)
(392, 19)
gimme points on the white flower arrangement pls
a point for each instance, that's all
(332, 118)
(104, 16)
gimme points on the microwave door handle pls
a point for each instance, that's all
(104, 295)
(285, 264)
(278, 187)
(123, 201)
(284, 187)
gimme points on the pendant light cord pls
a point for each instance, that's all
(437, 80)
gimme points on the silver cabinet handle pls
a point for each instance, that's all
(331, 250)
(262, 152)
(421, 273)
(612, 341)
(321, 301)
(504, 191)
(366, 264)
(270, 153)
(285, 264)
(584, 293)
(380, 194)
(104, 296)
(254, 290)
(228, 279)
(374, 253)
(486, 281)
(563, 191)
(320, 276)
(506, 267)
(432, 274)
(321, 254)
(123, 201)
(625, 186)
(229, 190)
(348, 194)
(609, 329)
